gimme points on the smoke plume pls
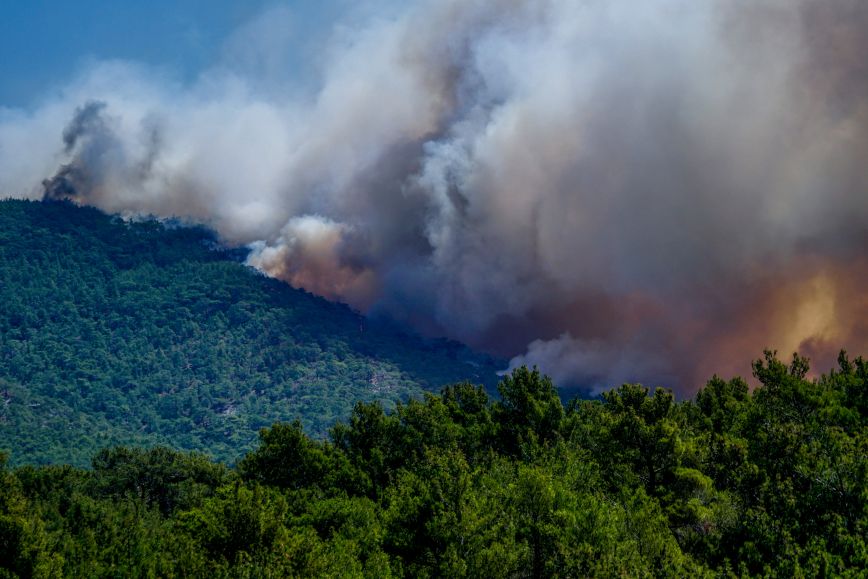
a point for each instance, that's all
(612, 190)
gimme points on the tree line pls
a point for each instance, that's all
(736, 482)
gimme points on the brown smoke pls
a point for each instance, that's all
(613, 190)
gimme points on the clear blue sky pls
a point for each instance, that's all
(43, 43)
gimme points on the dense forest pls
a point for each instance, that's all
(118, 332)
(139, 360)
(771, 482)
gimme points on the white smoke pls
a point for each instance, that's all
(610, 189)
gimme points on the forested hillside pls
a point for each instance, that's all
(770, 483)
(116, 332)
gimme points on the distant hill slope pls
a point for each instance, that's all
(139, 333)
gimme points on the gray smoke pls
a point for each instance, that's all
(90, 143)
(612, 190)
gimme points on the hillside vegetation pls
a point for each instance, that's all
(115, 332)
(770, 483)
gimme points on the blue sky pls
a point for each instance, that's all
(44, 43)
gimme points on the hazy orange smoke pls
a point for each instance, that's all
(613, 190)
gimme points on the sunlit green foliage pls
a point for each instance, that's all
(126, 335)
(771, 483)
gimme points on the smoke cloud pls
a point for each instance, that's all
(611, 190)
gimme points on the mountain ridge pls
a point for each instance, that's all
(140, 332)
